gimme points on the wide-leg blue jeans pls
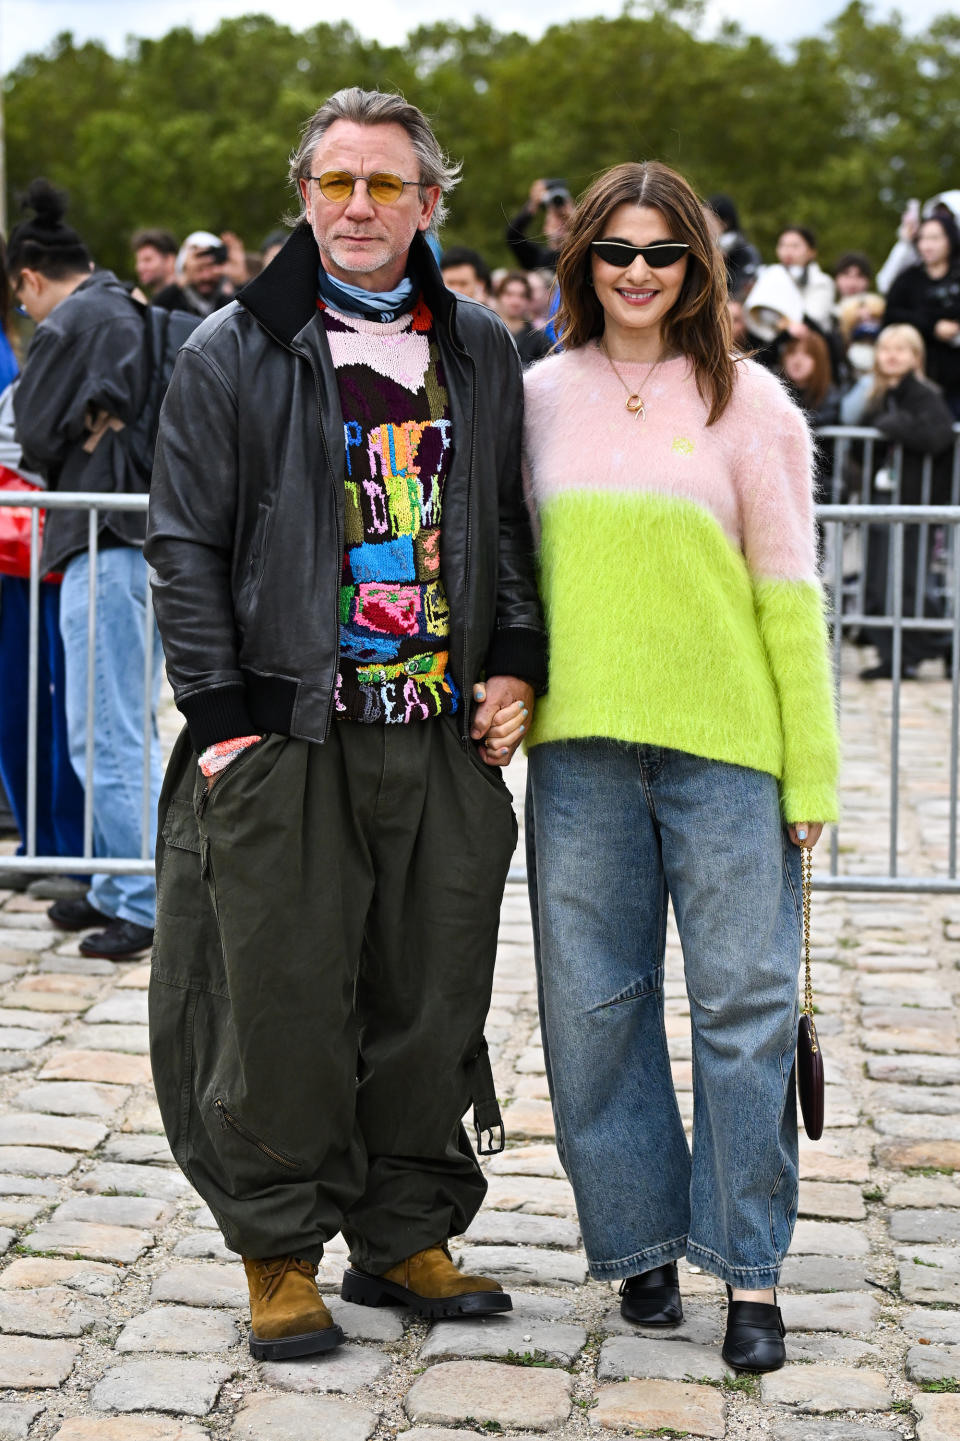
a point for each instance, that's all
(119, 660)
(613, 830)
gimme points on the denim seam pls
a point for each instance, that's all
(785, 1078)
(115, 577)
(789, 879)
(776, 1185)
(661, 951)
(529, 814)
(78, 577)
(648, 769)
(103, 720)
(652, 986)
(653, 763)
(601, 1269)
(108, 579)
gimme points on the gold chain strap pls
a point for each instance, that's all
(806, 870)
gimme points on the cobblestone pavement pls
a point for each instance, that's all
(122, 1317)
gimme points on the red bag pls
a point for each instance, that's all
(15, 527)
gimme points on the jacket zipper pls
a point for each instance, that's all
(465, 682)
(339, 530)
(228, 1122)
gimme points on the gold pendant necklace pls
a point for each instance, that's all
(634, 401)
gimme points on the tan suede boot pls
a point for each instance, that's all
(430, 1284)
(287, 1311)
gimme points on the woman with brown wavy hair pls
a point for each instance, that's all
(686, 749)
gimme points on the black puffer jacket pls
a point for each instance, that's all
(89, 355)
(913, 414)
(917, 299)
(247, 507)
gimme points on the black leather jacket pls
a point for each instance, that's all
(246, 517)
(87, 356)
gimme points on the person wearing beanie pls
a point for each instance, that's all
(84, 381)
(200, 287)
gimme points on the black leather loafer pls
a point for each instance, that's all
(76, 915)
(754, 1339)
(120, 941)
(653, 1298)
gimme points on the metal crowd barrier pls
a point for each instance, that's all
(94, 504)
(845, 524)
(848, 475)
(837, 518)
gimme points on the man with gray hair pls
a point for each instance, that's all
(345, 589)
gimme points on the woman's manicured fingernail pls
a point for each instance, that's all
(525, 711)
(478, 692)
(503, 750)
(801, 833)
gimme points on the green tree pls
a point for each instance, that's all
(195, 131)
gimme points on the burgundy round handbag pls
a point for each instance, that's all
(809, 1054)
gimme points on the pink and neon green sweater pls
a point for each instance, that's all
(679, 571)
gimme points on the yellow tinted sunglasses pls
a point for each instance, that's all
(383, 186)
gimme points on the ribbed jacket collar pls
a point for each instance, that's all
(283, 297)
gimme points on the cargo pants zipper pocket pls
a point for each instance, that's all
(230, 1123)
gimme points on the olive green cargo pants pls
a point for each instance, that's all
(326, 934)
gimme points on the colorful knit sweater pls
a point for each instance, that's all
(394, 614)
(679, 573)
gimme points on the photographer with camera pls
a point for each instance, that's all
(201, 286)
(556, 202)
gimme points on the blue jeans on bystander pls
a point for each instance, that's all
(59, 793)
(122, 610)
(613, 829)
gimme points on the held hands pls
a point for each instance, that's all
(805, 833)
(501, 718)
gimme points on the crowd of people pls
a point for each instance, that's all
(340, 545)
(851, 343)
(817, 328)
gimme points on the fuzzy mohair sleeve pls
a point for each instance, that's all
(779, 543)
